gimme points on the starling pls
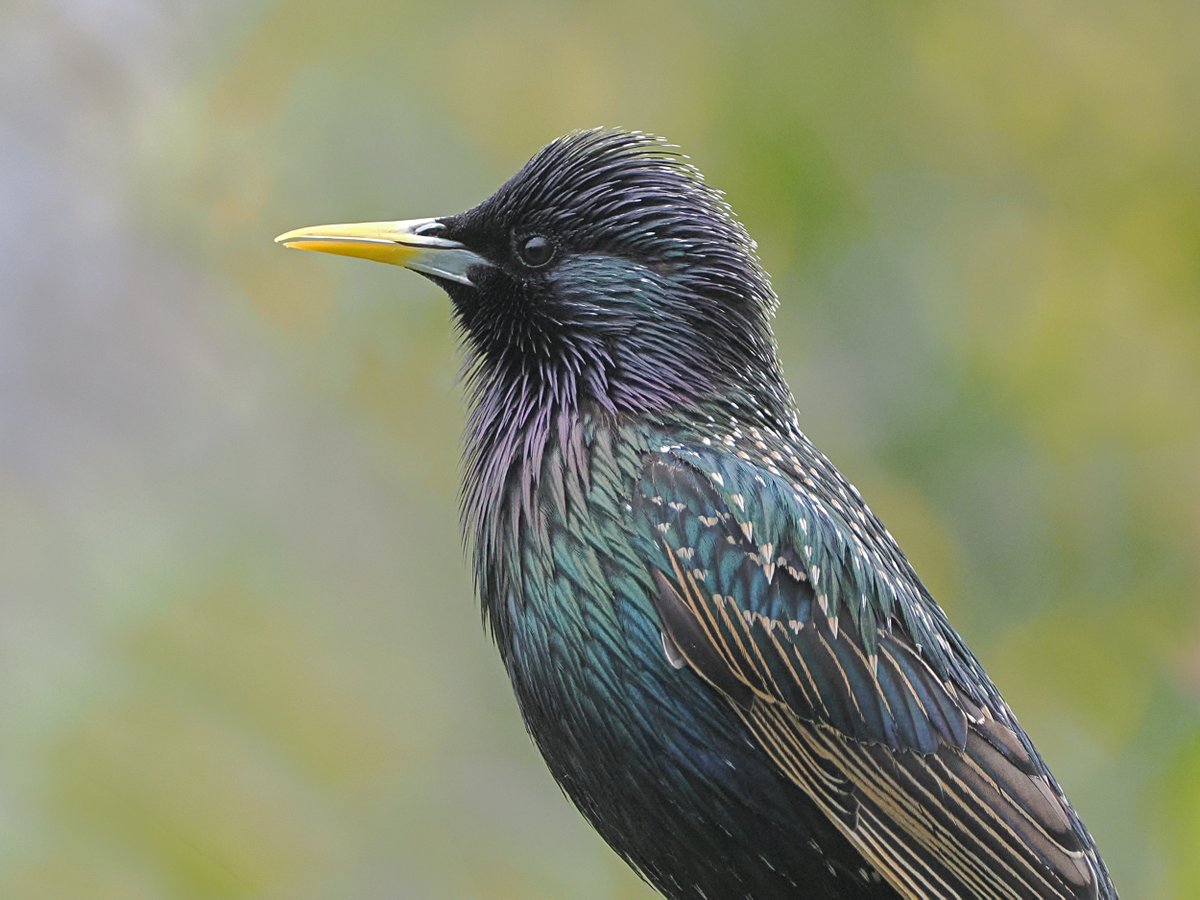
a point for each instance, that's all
(726, 661)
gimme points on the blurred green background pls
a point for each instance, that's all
(239, 655)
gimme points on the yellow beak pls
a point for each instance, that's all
(412, 243)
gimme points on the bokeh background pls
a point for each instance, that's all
(239, 655)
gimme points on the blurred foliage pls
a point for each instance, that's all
(238, 652)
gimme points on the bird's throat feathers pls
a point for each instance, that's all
(536, 425)
(524, 435)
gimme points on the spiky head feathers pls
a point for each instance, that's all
(615, 269)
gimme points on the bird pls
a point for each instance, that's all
(725, 659)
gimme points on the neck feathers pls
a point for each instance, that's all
(524, 436)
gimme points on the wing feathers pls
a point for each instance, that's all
(938, 793)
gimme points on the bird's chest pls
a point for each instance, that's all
(578, 635)
(623, 731)
(571, 611)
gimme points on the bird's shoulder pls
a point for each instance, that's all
(777, 579)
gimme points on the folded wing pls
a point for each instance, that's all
(861, 696)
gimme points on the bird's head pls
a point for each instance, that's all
(605, 270)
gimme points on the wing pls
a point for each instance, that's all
(859, 692)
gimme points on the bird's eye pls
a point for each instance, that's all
(536, 251)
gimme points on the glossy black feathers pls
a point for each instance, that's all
(725, 659)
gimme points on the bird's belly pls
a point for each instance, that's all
(662, 766)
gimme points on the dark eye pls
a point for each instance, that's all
(536, 251)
